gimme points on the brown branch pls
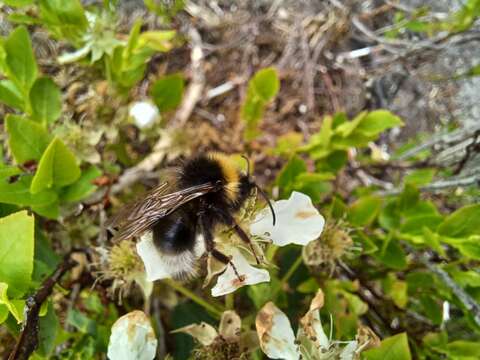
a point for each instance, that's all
(472, 148)
(28, 339)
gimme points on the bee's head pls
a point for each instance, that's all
(249, 183)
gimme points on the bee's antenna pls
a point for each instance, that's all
(265, 197)
(248, 165)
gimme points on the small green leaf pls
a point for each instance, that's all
(393, 255)
(3, 313)
(10, 95)
(27, 139)
(8, 171)
(20, 61)
(18, 193)
(290, 171)
(83, 187)
(46, 101)
(157, 40)
(364, 210)
(14, 306)
(408, 198)
(16, 251)
(287, 143)
(461, 349)
(266, 83)
(167, 92)
(462, 223)
(347, 128)
(262, 88)
(50, 211)
(57, 167)
(17, 3)
(392, 348)
(48, 329)
(378, 121)
(420, 177)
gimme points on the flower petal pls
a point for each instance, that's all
(311, 324)
(132, 338)
(230, 326)
(348, 352)
(275, 333)
(152, 259)
(297, 221)
(143, 113)
(203, 332)
(229, 282)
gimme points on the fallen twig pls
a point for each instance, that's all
(470, 304)
(28, 339)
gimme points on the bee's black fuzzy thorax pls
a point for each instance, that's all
(216, 168)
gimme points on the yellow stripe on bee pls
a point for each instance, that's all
(230, 173)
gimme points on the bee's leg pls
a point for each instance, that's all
(244, 237)
(210, 245)
(229, 220)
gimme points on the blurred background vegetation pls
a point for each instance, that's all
(371, 108)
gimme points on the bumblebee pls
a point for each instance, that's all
(206, 191)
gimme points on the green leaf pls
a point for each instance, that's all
(364, 210)
(57, 167)
(262, 88)
(345, 129)
(461, 348)
(290, 171)
(287, 143)
(17, 3)
(16, 251)
(46, 100)
(49, 326)
(420, 177)
(167, 92)
(3, 313)
(469, 247)
(14, 306)
(157, 40)
(396, 289)
(50, 211)
(393, 255)
(27, 139)
(392, 348)
(431, 308)
(83, 187)
(20, 61)
(10, 95)
(8, 171)
(462, 223)
(18, 193)
(265, 84)
(378, 121)
(64, 18)
(416, 224)
(408, 198)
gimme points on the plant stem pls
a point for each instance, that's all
(215, 310)
(229, 301)
(289, 273)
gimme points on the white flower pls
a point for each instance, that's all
(229, 281)
(144, 113)
(132, 338)
(297, 221)
(278, 341)
(275, 333)
(163, 266)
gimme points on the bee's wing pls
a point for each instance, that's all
(138, 217)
